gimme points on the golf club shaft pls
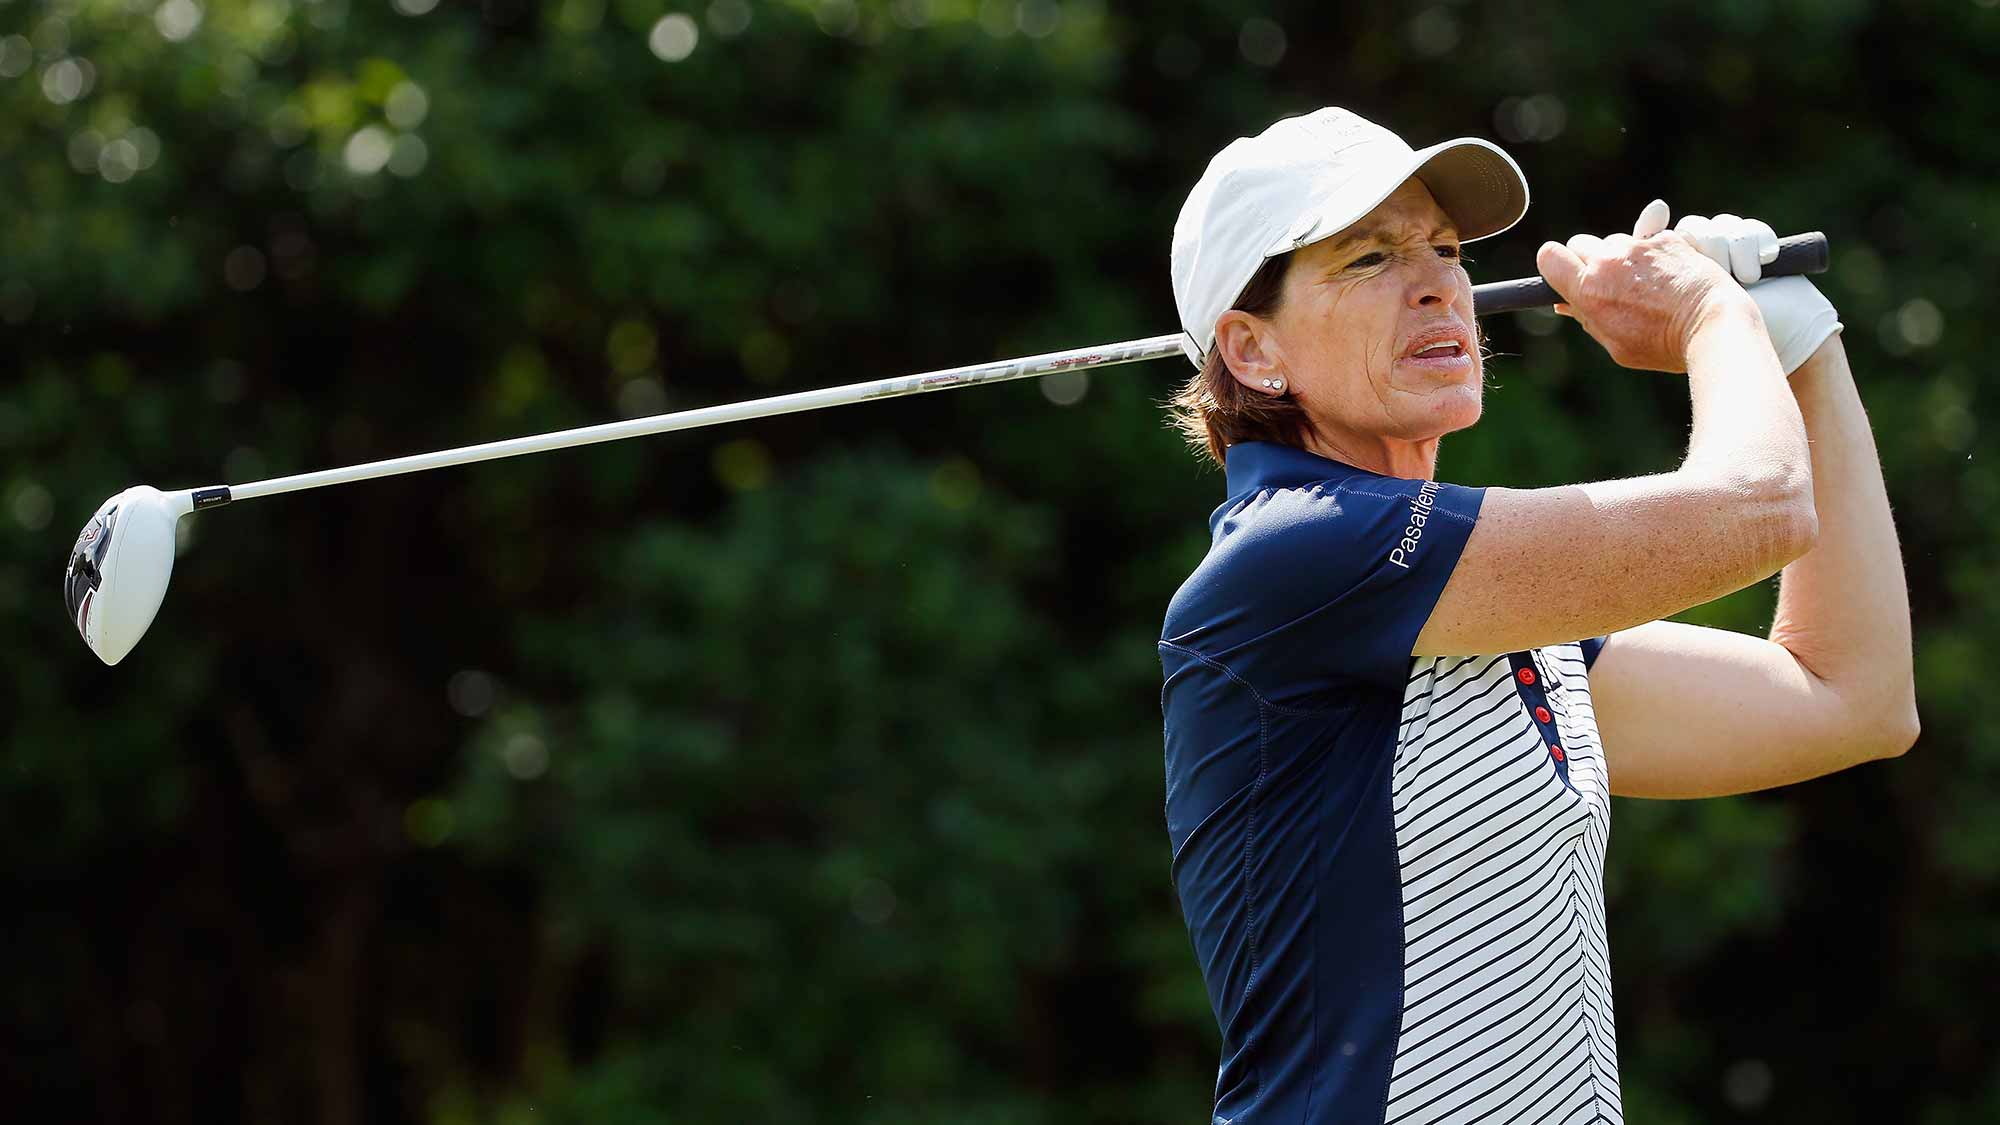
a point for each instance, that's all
(1803, 253)
(997, 371)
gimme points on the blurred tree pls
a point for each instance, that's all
(834, 755)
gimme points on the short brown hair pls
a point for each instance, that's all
(1213, 411)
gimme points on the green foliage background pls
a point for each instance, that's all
(809, 771)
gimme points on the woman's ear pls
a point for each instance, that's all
(1249, 351)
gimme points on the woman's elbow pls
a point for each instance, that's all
(1799, 529)
(1777, 509)
(1883, 728)
(1900, 735)
(1787, 526)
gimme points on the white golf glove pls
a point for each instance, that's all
(1797, 315)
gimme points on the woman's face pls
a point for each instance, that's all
(1375, 334)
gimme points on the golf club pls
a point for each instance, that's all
(119, 568)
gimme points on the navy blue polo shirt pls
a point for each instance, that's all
(1390, 867)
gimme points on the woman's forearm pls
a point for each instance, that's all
(1748, 436)
(1843, 607)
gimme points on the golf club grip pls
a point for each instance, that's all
(1797, 254)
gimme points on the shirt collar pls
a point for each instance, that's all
(1254, 465)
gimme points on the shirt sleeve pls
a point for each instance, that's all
(1335, 581)
(1591, 647)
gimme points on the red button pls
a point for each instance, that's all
(1527, 675)
(1556, 750)
(1541, 714)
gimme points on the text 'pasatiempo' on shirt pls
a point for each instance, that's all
(1420, 512)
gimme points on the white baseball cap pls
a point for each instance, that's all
(1308, 178)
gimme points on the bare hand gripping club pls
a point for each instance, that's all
(118, 570)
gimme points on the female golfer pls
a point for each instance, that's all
(1397, 709)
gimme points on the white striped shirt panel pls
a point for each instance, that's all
(1507, 1011)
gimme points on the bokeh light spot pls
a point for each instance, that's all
(1066, 388)
(408, 156)
(1920, 322)
(642, 397)
(243, 268)
(1433, 31)
(765, 355)
(83, 150)
(118, 161)
(521, 380)
(147, 144)
(30, 504)
(743, 465)
(644, 172)
(368, 150)
(243, 463)
(997, 17)
(1262, 41)
(414, 7)
(62, 82)
(1038, 19)
(52, 37)
(428, 822)
(176, 20)
(288, 125)
(1747, 1084)
(1538, 322)
(872, 901)
(1949, 409)
(1541, 117)
(674, 36)
(329, 14)
(525, 756)
(955, 484)
(406, 105)
(471, 692)
(580, 17)
(16, 55)
(837, 17)
(1860, 267)
(729, 18)
(631, 346)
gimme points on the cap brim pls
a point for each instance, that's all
(1475, 183)
(1478, 186)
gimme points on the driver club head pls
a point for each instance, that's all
(119, 568)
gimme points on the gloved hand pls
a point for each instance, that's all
(1797, 316)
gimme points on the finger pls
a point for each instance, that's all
(1560, 265)
(1652, 220)
(1585, 245)
(1698, 230)
(1767, 241)
(1617, 243)
(1742, 241)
